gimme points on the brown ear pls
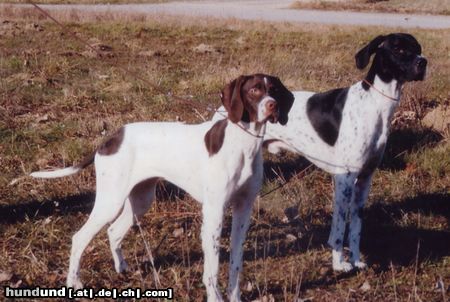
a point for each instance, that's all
(232, 99)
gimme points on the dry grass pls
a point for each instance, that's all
(86, 1)
(436, 7)
(58, 100)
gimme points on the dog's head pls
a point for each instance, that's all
(397, 57)
(257, 98)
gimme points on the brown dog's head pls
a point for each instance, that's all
(257, 98)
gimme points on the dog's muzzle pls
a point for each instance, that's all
(272, 110)
(420, 67)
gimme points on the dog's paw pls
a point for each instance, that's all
(342, 266)
(75, 283)
(360, 265)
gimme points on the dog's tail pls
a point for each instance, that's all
(65, 171)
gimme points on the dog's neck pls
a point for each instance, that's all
(254, 129)
(385, 92)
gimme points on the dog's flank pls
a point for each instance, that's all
(216, 163)
(324, 111)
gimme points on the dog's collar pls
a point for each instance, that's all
(379, 91)
(239, 125)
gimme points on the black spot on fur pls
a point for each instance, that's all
(324, 111)
(338, 241)
(347, 192)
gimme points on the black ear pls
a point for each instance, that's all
(232, 99)
(363, 56)
(284, 99)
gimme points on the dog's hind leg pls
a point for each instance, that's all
(362, 188)
(137, 203)
(343, 195)
(109, 201)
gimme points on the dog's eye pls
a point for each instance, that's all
(254, 90)
(399, 51)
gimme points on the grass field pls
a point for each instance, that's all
(437, 7)
(59, 99)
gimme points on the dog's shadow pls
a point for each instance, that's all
(78, 203)
(383, 240)
(34, 209)
(402, 141)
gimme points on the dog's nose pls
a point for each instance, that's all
(421, 63)
(271, 105)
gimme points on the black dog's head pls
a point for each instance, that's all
(257, 98)
(397, 57)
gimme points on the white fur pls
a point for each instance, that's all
(57, 173)
(176, 152)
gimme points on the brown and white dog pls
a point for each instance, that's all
(216, 162)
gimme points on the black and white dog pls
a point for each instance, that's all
(344, 131)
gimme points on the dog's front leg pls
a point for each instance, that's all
(362, 188)
(212, 211)
(242, 210)
(343, 195)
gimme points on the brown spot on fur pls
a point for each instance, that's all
(112, 144)
(215, 136)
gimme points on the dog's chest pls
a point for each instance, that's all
(365, 129)
(243, 157)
